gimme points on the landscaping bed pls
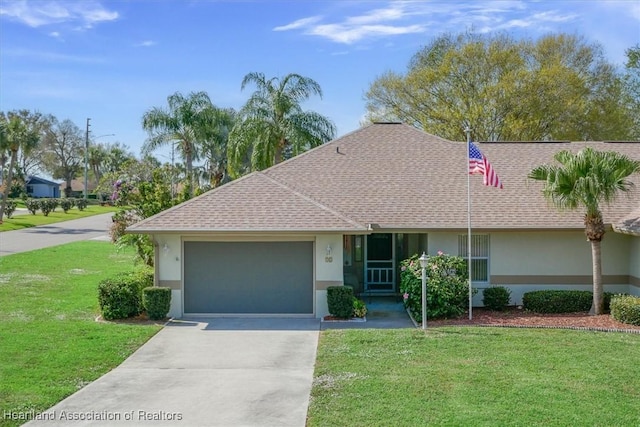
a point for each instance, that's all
(512, 316)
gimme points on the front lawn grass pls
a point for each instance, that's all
(28, 220)
(465, 376)
(50, 343)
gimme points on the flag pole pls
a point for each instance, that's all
(468, 131)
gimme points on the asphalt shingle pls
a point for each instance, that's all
(394, 177)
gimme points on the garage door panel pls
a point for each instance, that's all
(248, 277)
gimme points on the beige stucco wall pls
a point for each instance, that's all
(560, 256)
(634, 264)
(562, 259)
(328, 269)
(169, 255)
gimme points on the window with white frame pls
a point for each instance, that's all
(479, 255)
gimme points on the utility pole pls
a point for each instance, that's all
(86, 159)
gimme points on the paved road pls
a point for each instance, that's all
(227, 372)
(28, 239)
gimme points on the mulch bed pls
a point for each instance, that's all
(515, 317)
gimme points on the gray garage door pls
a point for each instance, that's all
(248, 277)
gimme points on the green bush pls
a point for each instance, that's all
(120, 296)
(48, 205)
(32, 205)
(10, 208)
(359, 308)
(340, 301)
(157, 302)
(561, 301)
(496, 298)
(81, 204)
(66, 204)
(626, 309)
(447, 286)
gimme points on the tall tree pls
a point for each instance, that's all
(97, 157)
(15, 135)
(183, 123)
(632, 87)
(64, 152)
(588, 179)
(214, 148)
(555, 88)
(272, 123)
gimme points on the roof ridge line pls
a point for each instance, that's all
(312, 200)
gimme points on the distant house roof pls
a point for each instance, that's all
(78, 185)
(388, 176)
(33, 180)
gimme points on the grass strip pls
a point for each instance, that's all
(28, 220)
(50, 343)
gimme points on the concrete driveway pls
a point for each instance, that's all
(205, 372)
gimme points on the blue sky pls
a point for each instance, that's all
(113, 60)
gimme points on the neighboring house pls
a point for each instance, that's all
(349, 211)
(40, 187)
(77, 187)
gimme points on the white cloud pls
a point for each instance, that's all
(48, 12)
(407, 17)
(145, 43)
(350, 34)
(44, 56)
(300, 23)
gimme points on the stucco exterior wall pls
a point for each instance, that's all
(328, 268)
(526, 261)
(169, 269)
(634, 265)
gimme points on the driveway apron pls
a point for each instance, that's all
(204, 372)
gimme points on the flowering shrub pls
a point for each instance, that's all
(447, 286)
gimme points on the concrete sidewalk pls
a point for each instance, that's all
(43, 236)
(204, 372)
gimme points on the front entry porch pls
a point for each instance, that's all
(371, 262)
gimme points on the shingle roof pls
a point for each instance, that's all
(394, 177)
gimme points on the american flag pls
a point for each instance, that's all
(478, 164)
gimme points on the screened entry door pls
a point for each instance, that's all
(380, 265)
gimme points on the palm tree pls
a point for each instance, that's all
(183, 124)
(272, 122)
(214, 149)
(97, 157)
(15, 135)
(586, 180)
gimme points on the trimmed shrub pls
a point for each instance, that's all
(496, 298)
(81, 204)
(32, 205)
(359, 308)
(447, 286)
(156, 301)
(340, 301)
(561, 301)
(10, 208)
(47, 206)
(626, 309)
(120, 296)
(66, 205)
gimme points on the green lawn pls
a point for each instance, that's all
(50, 343)
(464, 376)
(25, 221)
